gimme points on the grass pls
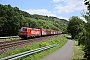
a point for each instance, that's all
(78, 52)
(8, 39)
(61, 40)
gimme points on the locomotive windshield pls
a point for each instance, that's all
(24, 29)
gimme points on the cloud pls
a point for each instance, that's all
(69, 6)
(83, 19)
(41, 12)
(44, 12)
(55, 1)
(61, 17)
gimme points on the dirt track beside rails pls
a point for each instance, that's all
(11, 45)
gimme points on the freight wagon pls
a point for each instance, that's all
(26, 32)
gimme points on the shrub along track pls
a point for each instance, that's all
(11, 45)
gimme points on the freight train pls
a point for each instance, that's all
(26, 32)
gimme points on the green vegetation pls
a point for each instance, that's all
(78, 52)
(75, 26)
(87, 31)
(61, 40)
(83, 35)
(12, 19)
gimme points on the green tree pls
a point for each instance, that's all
(85, 35)
(74, 26)
(87, 3)
(9, 19)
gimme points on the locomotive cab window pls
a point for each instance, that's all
(23, 29)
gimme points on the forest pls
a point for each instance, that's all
(12, 19)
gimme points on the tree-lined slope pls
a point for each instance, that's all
(12, 19)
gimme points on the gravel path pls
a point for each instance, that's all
(63, 53)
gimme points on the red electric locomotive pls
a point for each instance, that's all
(26, 32)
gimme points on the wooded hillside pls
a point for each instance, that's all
(12, 19)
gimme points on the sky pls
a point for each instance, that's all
(63, 9)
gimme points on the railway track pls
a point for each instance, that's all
(30, 52)
(11, 45)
